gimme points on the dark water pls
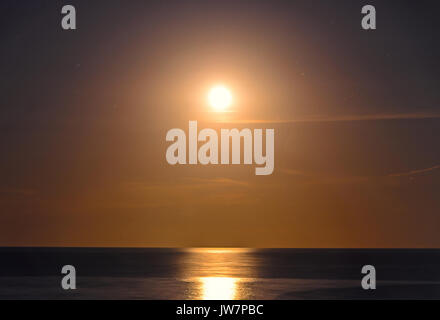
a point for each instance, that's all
(35, 273)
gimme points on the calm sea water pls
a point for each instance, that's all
(35, 273)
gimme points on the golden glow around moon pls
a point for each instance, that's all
(220, 98)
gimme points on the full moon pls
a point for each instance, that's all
(220, 98)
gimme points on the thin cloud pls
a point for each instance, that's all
(221, 181)
(185, 183)
(315, 178)
(344, 179)
(346, 118)
(292, 172)
(17, 191)
(415, 172)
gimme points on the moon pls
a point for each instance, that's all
(220, 98)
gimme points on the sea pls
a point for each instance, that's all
(218, 273)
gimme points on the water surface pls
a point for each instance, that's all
(35, 273)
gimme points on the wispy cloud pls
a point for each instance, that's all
(292, 172)
(342, 118)
(220, 181)
(182, 192)
(17, 191)
(316, 178)
(415, 172)
(189, 183)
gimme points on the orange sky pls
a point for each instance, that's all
(84, 118)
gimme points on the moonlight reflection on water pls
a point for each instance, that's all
(218, 274)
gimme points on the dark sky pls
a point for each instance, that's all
(84, 116)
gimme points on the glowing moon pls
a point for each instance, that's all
(220, 98)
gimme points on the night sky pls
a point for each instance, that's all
(84, 115)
